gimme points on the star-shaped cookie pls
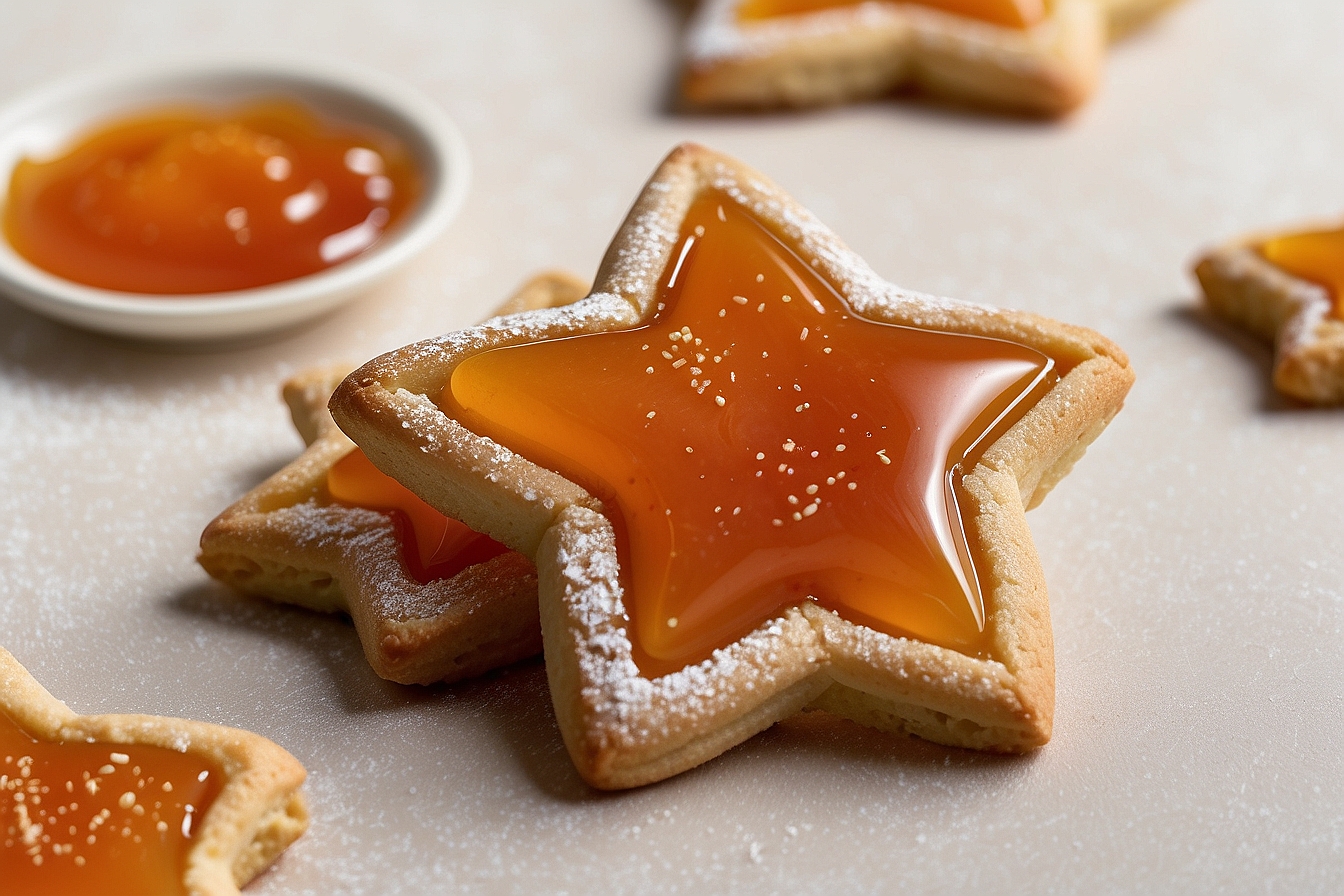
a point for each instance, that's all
(1286, 289)
(755, 478)
(1040, 57)
(430, 599)
(133, 803)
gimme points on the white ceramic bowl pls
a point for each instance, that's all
(49, 119)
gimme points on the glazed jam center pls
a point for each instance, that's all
(97, 818)
(189, 201)
(443, 547)
(758, 445)
(1009, 13)
(1317, 256)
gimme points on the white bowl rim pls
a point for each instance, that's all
(216, 316)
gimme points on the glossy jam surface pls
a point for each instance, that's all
(80, 818)
(1009, 13)
(439, 547)
(758, 445)
(189, 201)
(1316, 255)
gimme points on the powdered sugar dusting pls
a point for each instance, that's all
(528, 326)
(112, 445)
(623, 709)
(865, 291)
(424, 422)
(983, 681)
(364, 544)
(649, 240)
(634, 710)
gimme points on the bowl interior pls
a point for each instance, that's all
(46, 123)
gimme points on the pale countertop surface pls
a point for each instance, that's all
(1197, 585)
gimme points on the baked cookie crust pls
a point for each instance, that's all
(1124, 16)
(288, 541)
(852, 53)
(1292, 314)
(258, 812)
(624, 729)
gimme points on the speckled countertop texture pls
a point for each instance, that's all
(1193, 556)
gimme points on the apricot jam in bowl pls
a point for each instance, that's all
(218, 201)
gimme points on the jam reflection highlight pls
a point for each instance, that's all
(434, 546)
(114, 820)
(187, 201)
(758, 445)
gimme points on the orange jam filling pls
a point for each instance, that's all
(1316, 255)
(757, 445)
(443, 546)
(187, 201)
(99, 818)
(1008, 13)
